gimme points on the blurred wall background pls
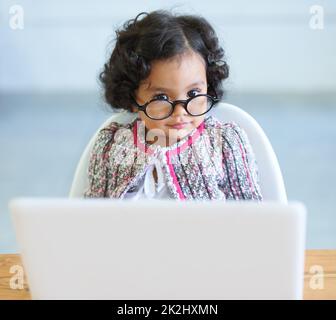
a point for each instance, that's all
(282, 61)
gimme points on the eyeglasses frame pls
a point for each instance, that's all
(174, 103)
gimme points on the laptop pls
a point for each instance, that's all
(160, 249)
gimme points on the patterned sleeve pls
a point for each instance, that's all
(99, 163)
(239, 164)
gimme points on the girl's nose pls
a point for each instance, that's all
(180, 110)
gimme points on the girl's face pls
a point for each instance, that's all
(178, 79)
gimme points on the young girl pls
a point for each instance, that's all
(167, 71)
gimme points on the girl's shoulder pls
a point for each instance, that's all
(108, 134)
(112, 128)
(229, 132)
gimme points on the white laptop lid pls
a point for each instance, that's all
(160, 249)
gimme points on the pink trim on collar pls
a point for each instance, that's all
(173, 175)
(189, 142)
(178, 150)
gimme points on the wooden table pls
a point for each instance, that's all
(319, 278)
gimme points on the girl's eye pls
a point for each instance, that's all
(160, 96)
(191, 93)
(194, 92)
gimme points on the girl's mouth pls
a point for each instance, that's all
(179, 126)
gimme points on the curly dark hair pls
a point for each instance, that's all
(159, 35)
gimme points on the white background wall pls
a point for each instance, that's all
(270, 45)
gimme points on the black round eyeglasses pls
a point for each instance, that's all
(161, 108)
